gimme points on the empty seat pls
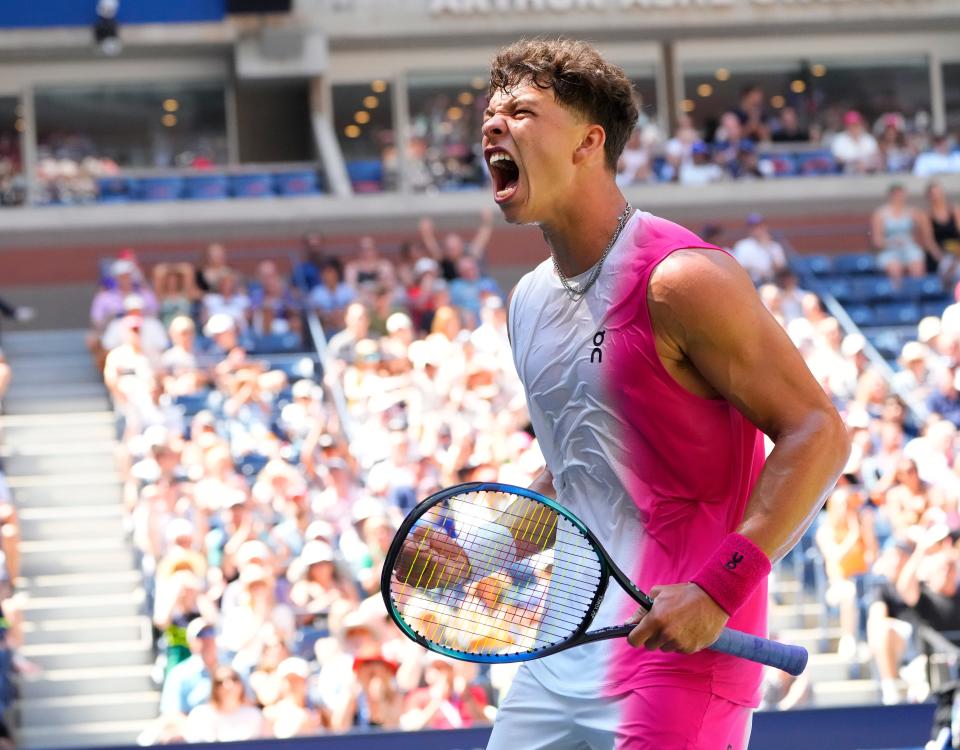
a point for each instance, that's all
(783, 165)
(925, 287)
(862, 315)
(251, 465)
(855, 263)
(815, 264)
(256, 185)
(301, 182)
(872, 288)
(206, 187)
(816, 163)
(277, 343)
(115, 190)
(159, 188)
(841, 289)
(191, 404)
(896, 313)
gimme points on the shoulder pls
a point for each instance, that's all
(698, 271)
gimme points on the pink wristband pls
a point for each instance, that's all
(733, 572)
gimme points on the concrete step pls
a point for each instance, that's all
(62, 682)
(108, 654)
(87, 630)
(81, 584)
(787, 592)
(790, 616)
(53, 405)
(73, 368)
(79, 607)
(846, 693)
(47, 562)
(95, 708)
(78, 433)
(834, 668)
(68, 528)
(815, 640)
(24, 388)
(98, 734)
(19, 339)
(53, 465)
(97, 494)
(96, 416)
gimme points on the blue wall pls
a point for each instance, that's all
(27, 13)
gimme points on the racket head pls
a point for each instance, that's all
(574, 605)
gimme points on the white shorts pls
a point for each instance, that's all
(532, 717)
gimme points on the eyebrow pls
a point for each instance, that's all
(512, 104)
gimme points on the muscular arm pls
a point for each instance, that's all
(717, 340)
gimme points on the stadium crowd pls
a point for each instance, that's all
(262, 512)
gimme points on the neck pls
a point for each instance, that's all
(581, 228)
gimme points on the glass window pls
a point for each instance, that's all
(818, 92)
(133, 125)
(12, 186)
(446, 113)
(363, 117)
(951, 91)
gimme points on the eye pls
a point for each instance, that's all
(520, 112)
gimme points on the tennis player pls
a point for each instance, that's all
(652, 371)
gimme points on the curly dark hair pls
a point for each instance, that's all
(581, 81)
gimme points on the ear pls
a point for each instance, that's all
(591, 145)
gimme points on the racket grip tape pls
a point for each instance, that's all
(791, 659)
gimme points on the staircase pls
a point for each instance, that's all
(80, 591)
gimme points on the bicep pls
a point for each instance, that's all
(718, 322)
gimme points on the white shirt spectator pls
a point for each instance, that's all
(153, 337)
(207, 724)
(325, 300)
(236, 307)
(854, 151)
(932, 163)
(761, 260)
(700, 174)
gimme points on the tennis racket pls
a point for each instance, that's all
(492, 573)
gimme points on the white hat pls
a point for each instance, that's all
(293, 665)
(306, 388)
(425, 265)
(132, 301)
(122, 266)
(177, 528)
(320, 530)
(398, 321)
(853, 343)
(218, 323)
(316, 552)
(913, 351)
(928, 329)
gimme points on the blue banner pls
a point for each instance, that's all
(38, 13)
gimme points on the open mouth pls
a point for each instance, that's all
(505, 174)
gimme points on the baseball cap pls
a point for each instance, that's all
(853, 343)
(122, 266)
(320, 531)
(306, 388)
(928, 329)
(218, 323)
(754, 218)
(315, 552)
(425, 265)
(699, 147)
(375, 656)
(133, 302)
(913, 351)
(179, 528)
(852, 117)
(200, 628)
(398, 321)
(293, 665)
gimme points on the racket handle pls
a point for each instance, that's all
(791, 659)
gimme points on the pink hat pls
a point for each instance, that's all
(853, 118)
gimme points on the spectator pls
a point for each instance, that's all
(228, 299)
(939, 160)
(941, 226)
(761, 255)
(274, 308)
(729, 143)
(751, 111)
(914, 379)
(153, 336)
(176, 290)
(374, 699)
(787, 129)
(454, 247)
(369, 268)
(212, 269)
(679, 149)
(308, 272)
(896, 152)
(448, 701)
(188, 684)
(227, 717)
(181, 369)
(845, 538)
(928, 581)
(855, 149)
(893, 230)
(634, 166)
(945, 400)
(700, 169)
(342, 347)
(469, 288)
(291, 715)
(131, 379)
(108, 303)
(889, 631)
(331, 295)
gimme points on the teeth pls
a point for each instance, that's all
(499, 156)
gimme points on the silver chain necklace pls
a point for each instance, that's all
(575, 293)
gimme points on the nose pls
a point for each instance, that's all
(494, 126)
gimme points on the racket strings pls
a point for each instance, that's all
(509, 610)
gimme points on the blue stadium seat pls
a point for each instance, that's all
(366, 175)
(276, 343)
(855, 263)
(159, 188)
(872, 288)
(816, 163)
(206, 187)
(784, 165)
(191, 404)
(115, 189)
(926, 287)
(302, 182)
(818, 265)
(296, 369)
(934, 308)
(842, 289)
(257, 185)
(861, 314)
(251, 465)
(896, 314)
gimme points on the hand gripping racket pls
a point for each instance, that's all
(493, 573)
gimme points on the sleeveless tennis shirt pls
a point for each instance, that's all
(660, 475)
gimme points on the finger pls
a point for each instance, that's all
(646, 630)
(636, 616)
(656, 591)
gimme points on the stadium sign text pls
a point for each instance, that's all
(464, 7)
